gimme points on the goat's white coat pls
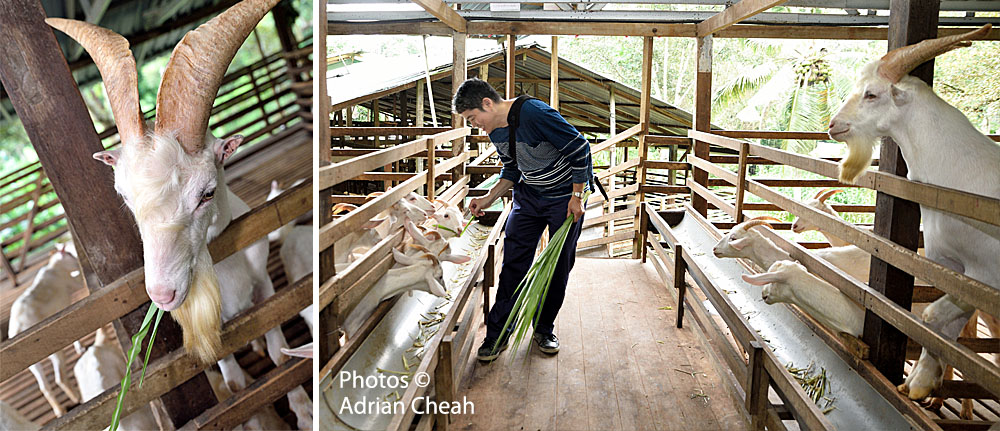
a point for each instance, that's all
(943, 148)
(49, 293)
(101, 367)
(788, 281)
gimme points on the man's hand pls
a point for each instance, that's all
(477, 205)
(575, 208)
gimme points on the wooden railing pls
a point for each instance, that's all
(975, 368)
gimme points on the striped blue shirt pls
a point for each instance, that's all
(551, 153)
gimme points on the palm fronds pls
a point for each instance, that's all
(534, 287)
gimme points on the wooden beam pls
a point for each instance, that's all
(898, 220)
(509, 61)
(554, 74)
(459, 73)
(734, 14)
(644, 107)
(702, 113)
(445, 13)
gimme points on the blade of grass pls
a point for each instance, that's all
(149, 348)
(133, 351)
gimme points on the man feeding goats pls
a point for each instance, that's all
(549, 169)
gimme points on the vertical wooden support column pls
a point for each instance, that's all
(756, 389)
(431, 174)
(702, 114)
(489, 279)
(418, 121)
(910, 21)
(613, 158)
(554, 75)
(640, 177)
(680, 266)
(509, 82)
(740, 185)
(459, 71)
(444, 384)
(48, 102)
(327, 333)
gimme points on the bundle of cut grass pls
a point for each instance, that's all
(152, 319)
(535, 285)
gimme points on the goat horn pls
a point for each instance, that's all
(419, 247)
(899, 62)
(196, 68)
(766, 218)
(114, 60)
(755, 222)
(820, 193)
(827, 193)
(343, 207)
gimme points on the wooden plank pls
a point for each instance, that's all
(338, 286)
(619, 168)
(617, 215)
(340, 227)
(741, 181)
(554, 73)
(262, 392)
(613, 194)
(668, 140)
(386, 131)
(712, 198)
(982, 208)
(757, 387)
(509, 59)
(445, 13)
(772, 134)
(628, 133)
(178, 366)
(645, 104)
(459, 73)
(620, 236)
(128, 293)
(733, 14)
(665, 189)
(661, 164)
(337, 173)
(702, 114)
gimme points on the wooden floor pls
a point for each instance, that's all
(286, 161)
(622, 365)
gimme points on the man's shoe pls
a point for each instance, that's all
(547, 343)
(486, 352)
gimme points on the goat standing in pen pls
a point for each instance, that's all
(50, 292)
(887, 102)
(171, 178)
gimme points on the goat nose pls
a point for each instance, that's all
(832, 124)
(161, 295)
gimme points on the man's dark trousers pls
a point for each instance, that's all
(528, 218)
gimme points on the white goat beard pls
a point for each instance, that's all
(859, 157)
(200, 316)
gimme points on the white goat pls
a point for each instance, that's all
(941, 147)
(101, 367)
(13, 420)
(788, 281)
(744, 242)
(417, 273)
(818, 202)
(49, 293)
(349, 246)
(171, 178)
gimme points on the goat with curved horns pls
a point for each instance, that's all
(172, 180)
(941, 147)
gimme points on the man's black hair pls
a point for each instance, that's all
(471, 93)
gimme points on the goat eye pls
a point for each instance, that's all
(208, 196)
(869, 95)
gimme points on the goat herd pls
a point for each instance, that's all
(941, 147)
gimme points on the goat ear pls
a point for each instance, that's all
(403, 258)
(760, 279)
(109, 157)
(436, 288)
(226, 147)
(304, 351)
(371, 224)
(740, 244)
(900, 97)
(455, 258)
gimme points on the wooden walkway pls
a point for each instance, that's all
(622, 365)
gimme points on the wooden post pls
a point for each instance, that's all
(444, 384)
(554, 76)
(459, 71)
(489, 278)
(613, 157)
(644, 97)
(327, 331)
(702, 114)
(680, 266)
(431, 186)
(910, 21)
(509, 82)
(741, 184)
(756, 389)
(48, 102)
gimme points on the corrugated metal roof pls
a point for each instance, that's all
(584, 94)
